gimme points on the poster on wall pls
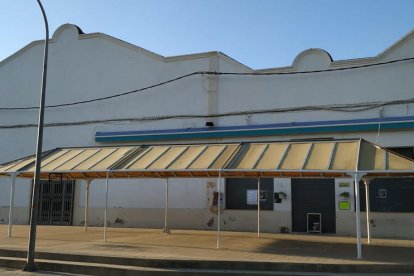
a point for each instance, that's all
(263, 195)
(215, 199)
(252, 197)
(344, 205)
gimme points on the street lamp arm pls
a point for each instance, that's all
(44, 18)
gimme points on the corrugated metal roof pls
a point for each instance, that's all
(333, 158)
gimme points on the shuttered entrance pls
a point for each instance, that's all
(313, 196)
(56, 202)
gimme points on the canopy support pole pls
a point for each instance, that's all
(12, 187)
(166, 229)
(218, 209)
(88, 182)
(106, 205)
(258, 207)
(367, 209)
(358, 216)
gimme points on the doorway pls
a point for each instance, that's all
(56, 202)
(313, 196)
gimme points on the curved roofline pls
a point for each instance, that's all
(133, 47)
(81, 35)
(310, 51)
(350, 62)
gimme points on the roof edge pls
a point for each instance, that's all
(82, 35)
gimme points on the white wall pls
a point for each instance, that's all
(141, 203)
(283, 185)
(22, 196)
(146, 193)
(23, 187)
(83, 67)
(373, 84)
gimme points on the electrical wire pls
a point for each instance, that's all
(107, 97)
(336, 108)
(205, 73)
(314, 71)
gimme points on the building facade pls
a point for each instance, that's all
(104, 91)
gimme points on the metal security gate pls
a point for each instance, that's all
(313, 196)
(56, 202)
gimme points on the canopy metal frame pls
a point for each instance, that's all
(239, 160)
(356, 176)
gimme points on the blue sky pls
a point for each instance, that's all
(258, 33)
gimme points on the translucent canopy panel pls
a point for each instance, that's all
(330, 158)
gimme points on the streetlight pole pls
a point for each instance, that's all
(30, 265)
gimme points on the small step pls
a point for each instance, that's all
(79, 263)
(81, 268)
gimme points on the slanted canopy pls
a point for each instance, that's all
(330, 158)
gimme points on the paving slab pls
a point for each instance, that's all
(201, 245)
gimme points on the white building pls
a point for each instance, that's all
(316, 97)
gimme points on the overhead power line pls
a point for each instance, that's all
(104, 98)
(206, 73)
(314, 71)
(336, 108)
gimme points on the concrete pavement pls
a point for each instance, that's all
(151, 244)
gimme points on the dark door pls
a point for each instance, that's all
(313, 196)
(389, 195)
(56, 202)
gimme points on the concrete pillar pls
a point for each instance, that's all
(213, 87)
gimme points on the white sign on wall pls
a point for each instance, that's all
(251, 197)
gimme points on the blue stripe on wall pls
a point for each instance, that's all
(360, 125)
